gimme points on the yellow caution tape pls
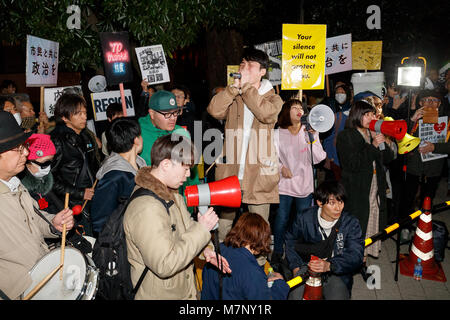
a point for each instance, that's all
(295, 281)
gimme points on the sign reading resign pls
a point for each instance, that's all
(41, 62)
(338, 54)
(303, 56)
(101, 101)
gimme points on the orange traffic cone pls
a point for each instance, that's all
(313, 286)
(422, 247)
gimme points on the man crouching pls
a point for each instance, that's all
(167, 240)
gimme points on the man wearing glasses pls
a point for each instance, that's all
(22, 230)
(425, 173)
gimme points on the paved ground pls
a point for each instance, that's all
(406, 288)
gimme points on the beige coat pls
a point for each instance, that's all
(166, 244)
(22, 243)
(261, 173)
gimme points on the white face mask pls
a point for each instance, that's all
(340, 97)
(18, 118)
(42, 172)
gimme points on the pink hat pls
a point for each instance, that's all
(40, 145)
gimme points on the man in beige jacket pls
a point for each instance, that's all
(22, 231)
(250, 107)
(167, 242)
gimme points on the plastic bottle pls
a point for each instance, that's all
(270, 274)
(418, 270)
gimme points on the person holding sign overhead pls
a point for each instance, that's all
(250, 107)
(22, 230)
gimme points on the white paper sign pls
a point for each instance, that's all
(51, 95)
(434, 133)
(101, 101)
(273, 50)
(152, 62)
(41, 62)
(338, 54)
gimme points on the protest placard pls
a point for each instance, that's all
(303, 58)
(273, 50)
(51, 95)
(366, 55)
(101, 101)
(338, 54)
(434, 133)
(116, 57)
(153, 64)
(41, 62)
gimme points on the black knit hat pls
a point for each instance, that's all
(11, 135)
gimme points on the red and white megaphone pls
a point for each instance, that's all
(396, 129)
(225, 193)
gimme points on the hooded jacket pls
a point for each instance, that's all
(166, 244)
(115, 185)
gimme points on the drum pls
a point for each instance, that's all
(92, 242)
(80, 276)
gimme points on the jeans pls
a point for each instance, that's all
(282, 218)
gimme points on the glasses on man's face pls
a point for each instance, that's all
(430, 100)
(21, 148)
(174, 114)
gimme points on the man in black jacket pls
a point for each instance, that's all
(75, 164)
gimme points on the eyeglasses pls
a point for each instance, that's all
(431, 100)
(179, 96)
(174, 114)
(21, 148)
(42, 165)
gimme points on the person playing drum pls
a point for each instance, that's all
(22, 230)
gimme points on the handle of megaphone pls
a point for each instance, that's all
(381, 146)
(202, 210)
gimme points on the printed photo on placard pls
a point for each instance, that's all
(434, 133)
(153, 64)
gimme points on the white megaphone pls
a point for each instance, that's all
(320, 118)
(97, 83)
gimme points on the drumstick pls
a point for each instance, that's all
(42, 283)
(63, 239)
(85, 201)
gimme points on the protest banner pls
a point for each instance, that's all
(303, 58)
(101, 101)
(153, 64)
(41, 62)
(273, 50)
(338, 54)
(434, 133)
(231, 69)
(366, 55)
(51, 95)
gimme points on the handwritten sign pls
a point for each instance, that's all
(274, 51)
(101, 101)
(116, 57)
(434, 133)
(303, 65)
(152, 62)
(51, 95)
(41, 62)
(366, 55)
(338, 54)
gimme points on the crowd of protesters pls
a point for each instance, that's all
(343, 185)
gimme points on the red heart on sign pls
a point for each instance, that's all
(438, 127)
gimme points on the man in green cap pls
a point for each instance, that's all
(160, 121)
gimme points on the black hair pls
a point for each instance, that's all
(67, 105)
(252, 54)
(330, 188)
(113, 109)
(6, 83)
(121, 134)
(284, 117)
(172, 147)
(357, 111)
(429, 93)
(3, 100)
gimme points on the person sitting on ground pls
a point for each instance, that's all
(116, 175)
(165, 243)
(331, 234)
(248, 238)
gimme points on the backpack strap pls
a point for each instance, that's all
(146, 192)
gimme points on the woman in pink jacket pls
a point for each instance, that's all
(296, 171)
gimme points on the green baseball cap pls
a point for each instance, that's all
(162, 100)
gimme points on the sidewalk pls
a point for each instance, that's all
(406, 288)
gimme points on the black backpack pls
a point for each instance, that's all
(440, 240)
(110, 254)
